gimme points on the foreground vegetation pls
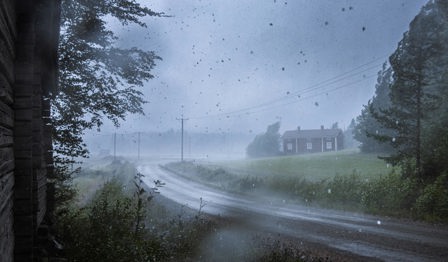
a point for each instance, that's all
(347, 181)
(117, 218)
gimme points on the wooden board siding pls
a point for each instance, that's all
(7, 35)
(29, 32)
(295, 141)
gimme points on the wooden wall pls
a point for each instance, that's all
(7, 54)
(29, 32)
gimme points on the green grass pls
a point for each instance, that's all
(312, 167)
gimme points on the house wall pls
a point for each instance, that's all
(299, 146)
(292, 149)
(28, 44)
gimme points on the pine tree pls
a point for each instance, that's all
(414, 94)
(367, 127)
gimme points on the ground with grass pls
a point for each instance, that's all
(312, 167)
(117, 218)
(345, 180)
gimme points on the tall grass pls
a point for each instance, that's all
(385, 194)
(312, 167)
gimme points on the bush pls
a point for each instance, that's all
(390, 195)
(110, 229)
(432, 204)
(345, 191)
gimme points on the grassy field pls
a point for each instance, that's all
(312, 167)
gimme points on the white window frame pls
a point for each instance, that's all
(289, 146)
(329, 145)
(309, 145)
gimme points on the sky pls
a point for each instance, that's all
(238, 66)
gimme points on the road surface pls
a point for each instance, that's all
(374, 238)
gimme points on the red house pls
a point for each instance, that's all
(312, 140)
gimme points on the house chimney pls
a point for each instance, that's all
(322, 127)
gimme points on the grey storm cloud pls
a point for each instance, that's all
(241, 65)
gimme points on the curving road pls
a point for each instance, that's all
(363, 236)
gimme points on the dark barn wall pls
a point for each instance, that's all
(7, 54)
(29, 32)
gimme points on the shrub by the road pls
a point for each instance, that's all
(390, 195)
(122, 223)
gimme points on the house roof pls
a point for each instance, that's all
(311, 133)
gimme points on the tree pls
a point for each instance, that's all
(97, 79)
(267, 144)
(349, 141)
(366, 125)
(419, 65)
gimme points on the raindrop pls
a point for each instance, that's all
(271, 24)
(329, 191)
(393, 139)
(326, 23)
(283, 68)
(363, 28)
(316, 103)
(378, 222)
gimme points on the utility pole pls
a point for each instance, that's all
(182, 119)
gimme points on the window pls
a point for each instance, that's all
(329, 145)
(309, 145)
(289, 146)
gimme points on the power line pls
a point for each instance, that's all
(307, 97)
(321, 85)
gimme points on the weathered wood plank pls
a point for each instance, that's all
(6, 115)
(6, 231)
(6, 192)
(5, 90)
(6, 153)
(8, 17)
(6, 137)
(6, 166)
(6, 62)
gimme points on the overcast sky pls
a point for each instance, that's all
(241, 65)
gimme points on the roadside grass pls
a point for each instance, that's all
(312, 167)
(344, 180)
(117, 218)
(125, 220)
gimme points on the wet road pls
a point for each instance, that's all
(368, 236)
